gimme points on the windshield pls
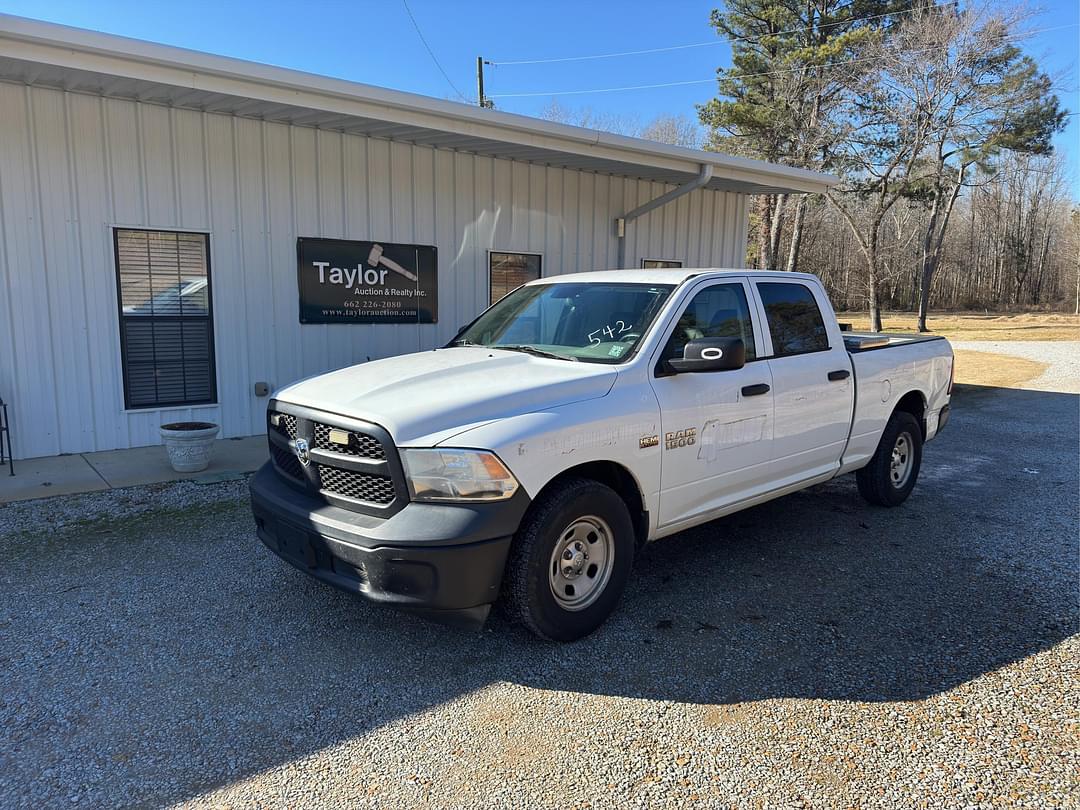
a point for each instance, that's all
(593, 322)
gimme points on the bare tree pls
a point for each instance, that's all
(1016, 215)
(951, 91)
(1074, 233)
(677, 130)
(990, 99)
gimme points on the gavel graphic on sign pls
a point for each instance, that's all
(376, 258)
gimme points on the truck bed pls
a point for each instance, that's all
(870, 341)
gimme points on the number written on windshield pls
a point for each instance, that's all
(610, 331)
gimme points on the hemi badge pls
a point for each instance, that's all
(339, 436)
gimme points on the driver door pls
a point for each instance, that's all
(717, 426)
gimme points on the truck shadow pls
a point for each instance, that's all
(815, 596)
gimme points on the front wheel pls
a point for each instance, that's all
(891, 474)
(570, 560)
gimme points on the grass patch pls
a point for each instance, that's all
(969, 326)
(996, 370)
(126, 527)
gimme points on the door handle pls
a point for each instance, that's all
(842, 374)
(755, 390)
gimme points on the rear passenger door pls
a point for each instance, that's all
(717, 426)
(813, 386)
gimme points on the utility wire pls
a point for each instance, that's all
(605, 55)
(431, 53)
(605, 89)
(778, 72)
(702, 44)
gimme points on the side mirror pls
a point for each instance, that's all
(710, 354)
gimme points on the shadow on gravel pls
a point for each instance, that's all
(150, 661)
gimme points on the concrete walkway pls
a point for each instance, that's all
(92, 472)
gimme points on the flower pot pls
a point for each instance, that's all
(189, 444)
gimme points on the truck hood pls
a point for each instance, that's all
(426, 398)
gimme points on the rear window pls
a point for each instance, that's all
(794, 319)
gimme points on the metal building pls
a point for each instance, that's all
(155, 205)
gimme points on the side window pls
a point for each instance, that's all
(717, 311)
(794, 318)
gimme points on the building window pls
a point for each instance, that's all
(166, 320)
(795, 322)
(660, 264)
(508, 271)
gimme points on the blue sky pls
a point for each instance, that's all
(375, 42)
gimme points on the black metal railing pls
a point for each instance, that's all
(6, 455)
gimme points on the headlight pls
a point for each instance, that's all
(457, 475)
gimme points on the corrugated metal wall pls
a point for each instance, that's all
(72, 166)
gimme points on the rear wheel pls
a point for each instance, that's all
(570, 560)
(891, 474)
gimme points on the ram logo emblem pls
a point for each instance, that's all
(301, 447)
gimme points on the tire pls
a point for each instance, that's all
(882, 482)
(577, 538)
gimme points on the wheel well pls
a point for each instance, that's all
(621, 480)
(912, 402)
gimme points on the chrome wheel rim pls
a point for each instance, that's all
(902, 461)
(581, 563)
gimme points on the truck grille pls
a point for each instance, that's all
(287, 462)
(286, 425)
(360, 444)
(358, 486)
(375, 488)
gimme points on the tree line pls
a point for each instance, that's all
(939, 127)
(1013, 243)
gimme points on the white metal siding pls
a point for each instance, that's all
(73, 165)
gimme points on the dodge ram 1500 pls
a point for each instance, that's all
(574, 420)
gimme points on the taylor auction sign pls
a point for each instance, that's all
(343, 281)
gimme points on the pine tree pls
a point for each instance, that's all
(781, 98)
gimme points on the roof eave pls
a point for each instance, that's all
(88, 52)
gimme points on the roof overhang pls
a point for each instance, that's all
(72, 59)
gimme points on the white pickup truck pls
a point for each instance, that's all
(576, 419)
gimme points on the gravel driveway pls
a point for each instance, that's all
(1063, 356)
(812, 652)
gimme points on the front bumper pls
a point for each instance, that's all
(445, 561)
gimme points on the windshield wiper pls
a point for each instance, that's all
(522, 347)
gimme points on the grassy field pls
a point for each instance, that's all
(997, 370)
(970, 326)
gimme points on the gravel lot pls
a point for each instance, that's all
(1062, 355)
(813, 652)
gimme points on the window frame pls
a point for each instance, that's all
(764, 317)
(213, 400)
(492, 251)
(677, 309)
(675, 264)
